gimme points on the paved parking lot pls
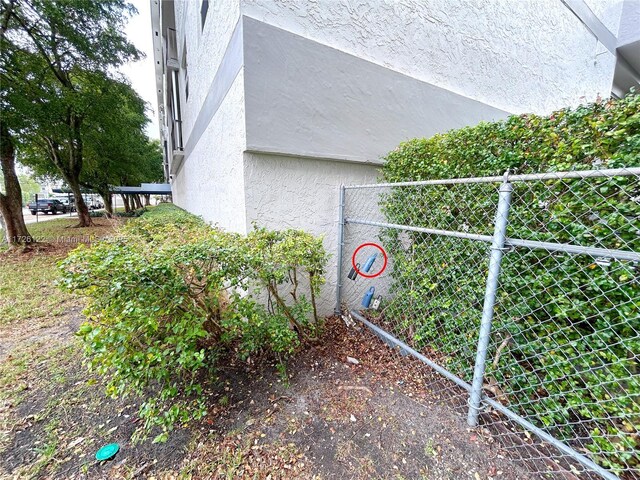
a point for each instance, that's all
(43, 217)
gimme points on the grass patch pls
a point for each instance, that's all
(19, 373)
(28, 289)
(63, 230)
(28, 280)
(12, 373)
(41, 384)
(46, 452)
(17, 370)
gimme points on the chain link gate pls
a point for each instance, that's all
(521, 292)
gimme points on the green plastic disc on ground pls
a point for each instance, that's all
(107, 452)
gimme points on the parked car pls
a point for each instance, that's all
(92, 202)
(69, 203)
(47, 205)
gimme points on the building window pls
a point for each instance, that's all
(204, 8)
(176, 113)
(185, 71)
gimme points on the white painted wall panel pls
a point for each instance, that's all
(530, 55)
(211, 180)
(318, 101)
(205, 49)
(289, 192)
(629, 30)
(608, 11)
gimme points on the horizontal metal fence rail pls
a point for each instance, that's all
(511, 242)
(573, 174)
(354, 227)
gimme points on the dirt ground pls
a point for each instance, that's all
(350, 409)
(332, 420)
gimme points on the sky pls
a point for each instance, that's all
(141, 74)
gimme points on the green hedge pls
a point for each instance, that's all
(572, 362)
(170, 297)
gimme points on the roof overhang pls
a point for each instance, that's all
(144, 189)
(627, 72)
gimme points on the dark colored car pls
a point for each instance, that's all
(47, 205)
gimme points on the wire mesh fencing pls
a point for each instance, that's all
(522, 293)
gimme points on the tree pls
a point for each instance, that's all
(16, 232)
(117, 151)
(53, 53)
(11, 198)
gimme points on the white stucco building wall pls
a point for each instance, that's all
(525, 56)
(287, 100)
(211, 181)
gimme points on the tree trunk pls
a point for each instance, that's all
(3, 239)
(75, 164)
(81, 207)
(107, 198)
(147, 199)
(71, 173)
(127, 206)
(16, 232)
(137, 201)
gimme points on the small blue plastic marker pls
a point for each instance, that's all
(369, 264)
(366, 301)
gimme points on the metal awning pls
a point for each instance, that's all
(144, 189)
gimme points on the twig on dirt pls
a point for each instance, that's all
(140, 470)
(281, 397)
(355, 387)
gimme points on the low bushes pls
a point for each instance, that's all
(169, 296)
(130, 214)
(571, 327)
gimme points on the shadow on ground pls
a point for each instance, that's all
(332, 419)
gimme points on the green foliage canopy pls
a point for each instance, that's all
(54, 54)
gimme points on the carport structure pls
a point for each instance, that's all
(132, 196)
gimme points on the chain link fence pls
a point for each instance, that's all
(521, 293)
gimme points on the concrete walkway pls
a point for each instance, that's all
(44, 217)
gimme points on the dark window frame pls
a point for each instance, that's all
(204, 9)
(185, 70)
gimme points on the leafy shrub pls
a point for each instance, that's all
(131, 214)
(169, 296)
(575, 326)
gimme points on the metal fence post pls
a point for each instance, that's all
(497, 250)
(338, 309)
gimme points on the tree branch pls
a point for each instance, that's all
(29, 31)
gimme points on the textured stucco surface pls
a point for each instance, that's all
(230, 65)
(286, 192)
(211, 180)
(321, 102)
(205, 49)
(358, 84)
(608, 11)
(525, 56)
(629, 30)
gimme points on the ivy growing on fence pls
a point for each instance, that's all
(571, 327)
